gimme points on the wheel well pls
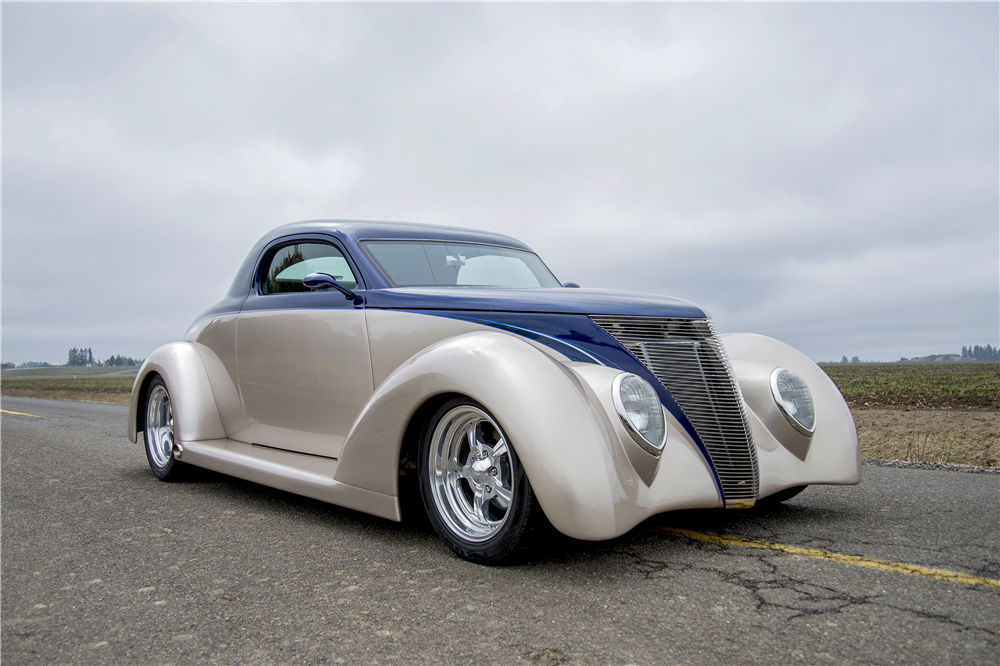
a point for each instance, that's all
(409, 490)
(140, 407)
(411, 438)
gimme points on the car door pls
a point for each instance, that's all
(303, 359)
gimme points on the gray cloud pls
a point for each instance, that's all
(826, 174)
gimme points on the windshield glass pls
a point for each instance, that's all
(445, 264)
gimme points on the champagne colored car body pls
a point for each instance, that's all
(324, 393)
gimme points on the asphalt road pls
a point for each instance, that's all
(102, 563)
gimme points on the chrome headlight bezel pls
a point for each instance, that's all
(651, 447)
(794, 406)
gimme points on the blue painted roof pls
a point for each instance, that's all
(358, 230)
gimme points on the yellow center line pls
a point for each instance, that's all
(47, 418)
(940, 574)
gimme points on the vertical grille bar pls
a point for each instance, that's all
(688, 359)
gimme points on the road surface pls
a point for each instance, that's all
(104, 564)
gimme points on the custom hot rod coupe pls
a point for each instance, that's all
(349, 357)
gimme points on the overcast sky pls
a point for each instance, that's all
(828, 174)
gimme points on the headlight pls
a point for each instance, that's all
(640, 411)
(793, 397)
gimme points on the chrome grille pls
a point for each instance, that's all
(692, 365)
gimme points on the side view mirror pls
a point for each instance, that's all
(572, 285)
(318, 281)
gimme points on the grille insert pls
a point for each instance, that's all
(687, 358)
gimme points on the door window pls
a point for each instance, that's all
(291, 263)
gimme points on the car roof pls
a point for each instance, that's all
(360, 230)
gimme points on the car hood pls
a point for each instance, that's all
(556, 301)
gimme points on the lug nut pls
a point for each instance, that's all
(488, 489)
(493, 471)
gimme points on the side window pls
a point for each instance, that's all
(291, 263)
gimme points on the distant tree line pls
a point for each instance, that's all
(970, 353)
(85, 357)
(80, 357)
(123, 360)
(977, 353)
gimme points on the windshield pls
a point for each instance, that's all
(444, 264)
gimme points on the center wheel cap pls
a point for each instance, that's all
(481, 471)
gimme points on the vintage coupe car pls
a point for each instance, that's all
(350, 356)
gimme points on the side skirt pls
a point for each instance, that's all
(302, 474)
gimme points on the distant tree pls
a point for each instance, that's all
(903, 359)
(80, 357)
(855, 359)
(965, 352)
(119, 360)
(7, 366)
(843, 359)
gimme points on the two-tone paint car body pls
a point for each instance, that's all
(327, 393)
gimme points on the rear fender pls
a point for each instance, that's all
(196, 416)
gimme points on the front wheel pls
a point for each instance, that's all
(159, 432)
(473, 487)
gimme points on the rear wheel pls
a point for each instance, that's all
(473, 487)
(159, 432)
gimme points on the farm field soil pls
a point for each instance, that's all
(971, 385)
(958, 436)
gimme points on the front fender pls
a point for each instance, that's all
(196, 416)
(541, 404)
(787, 459)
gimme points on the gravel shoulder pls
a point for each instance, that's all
(958, 436)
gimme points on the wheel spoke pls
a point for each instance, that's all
(504, 494)
(481, 506)
(470, 436)
(451, 465)
(500, 450)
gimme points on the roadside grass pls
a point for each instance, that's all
(974, 385)
(67, 371)
(94, 388)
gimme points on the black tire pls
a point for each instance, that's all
(472, 484)
(780, 496)
(158, 432)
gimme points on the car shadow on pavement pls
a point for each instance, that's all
(545, 545)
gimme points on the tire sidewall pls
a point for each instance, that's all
(506, 540)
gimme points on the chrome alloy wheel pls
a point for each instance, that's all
(471, 475)
(159, 426)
